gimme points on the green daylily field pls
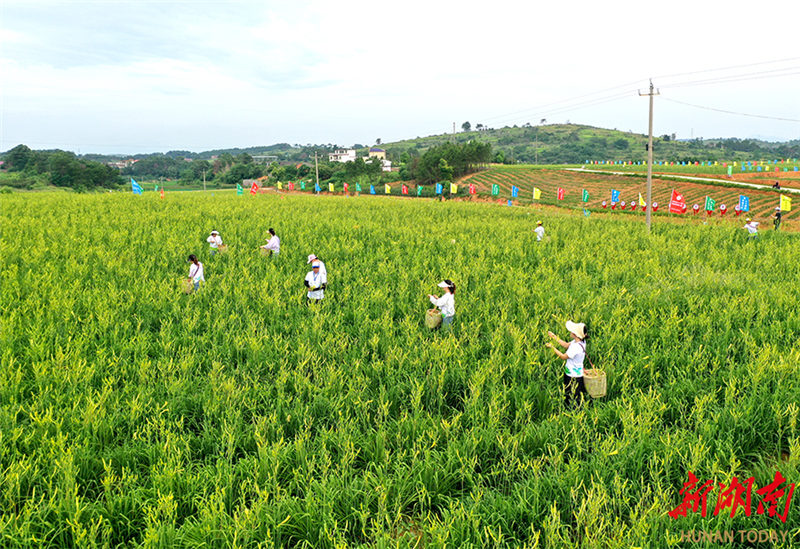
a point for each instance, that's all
(134, 415)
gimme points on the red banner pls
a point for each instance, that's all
(560, 193)
(677, 204)
(254, 188)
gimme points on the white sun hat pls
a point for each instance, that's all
(311, 258)
(577, 328)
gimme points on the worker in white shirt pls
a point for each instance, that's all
(322, 269)
(316, 282)
(575, 352)
(274, 243)
(196, 273)
(539, 230)
(446, 303)
(215, 241)
(752, 228)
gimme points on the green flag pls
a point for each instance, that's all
(585, 195)
(302, 185)
(495, 189)
(710, 203)
(156, 187)
(419, 190)
(239, 190)
(358, 187)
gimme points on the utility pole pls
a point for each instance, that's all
(454, 132)
(204, 180)
(316, 167)
(652, 93)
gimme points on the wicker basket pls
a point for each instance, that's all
(187, 285)
(433, 319)
(595, 382)
(223, 249)
(265, 252)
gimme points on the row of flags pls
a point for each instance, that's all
(677, 203)
(748, 163)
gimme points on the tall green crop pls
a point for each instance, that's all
(133, 414)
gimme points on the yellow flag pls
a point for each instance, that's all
(280, 185)
(641, 200)
(715, 162)
(387, 189)
(786, 204)
(330, 187)
(453, 188)
(537, 193)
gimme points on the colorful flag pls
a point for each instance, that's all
(239, 190)
(710, 204)
(135, 187)
(730, 171)
(744, 203)
(537, 193)
(560, 193)
(585, 196)
(404, 189)
(291, 185)
(358, 187)
(641, 200)
(419, 190)
(472, 188)
(372, 189)
(453, 188)
(280, 186)
(786, 204)
(614, 195)
(438, 188)
(331, 188)
(302, 185)
(387, 189)
(677, 204)
(346, 186)
(156, 189)
(162, 194)
(254, 188)
(317, 188)
(514, 191)
(495, 189)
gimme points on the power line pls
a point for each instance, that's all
(738, 77)
(733, 112)
(728, 67)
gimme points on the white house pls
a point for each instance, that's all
(342, 155)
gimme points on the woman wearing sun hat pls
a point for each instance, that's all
(752, 228)
(316, 282)
(215, 241)
(574, 388)
(446, 303)
(539, 230)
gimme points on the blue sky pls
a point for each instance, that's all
(127, 77)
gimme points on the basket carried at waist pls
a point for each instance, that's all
(433, 319)
(187, 285)
(595, 382)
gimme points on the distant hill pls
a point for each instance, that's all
(575, 143)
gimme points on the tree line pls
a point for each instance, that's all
(59, 168)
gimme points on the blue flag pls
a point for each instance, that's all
(514, 191)
(316, 188)
(135, 187)
(372, 189)
(614, 195)
(438, 188)
(744, 203)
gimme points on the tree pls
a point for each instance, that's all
(17, 158)
(479, 127)
(466, 126)
(445, 170)
(378, 141)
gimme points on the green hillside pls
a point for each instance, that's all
(575, 143)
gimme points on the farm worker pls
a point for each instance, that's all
(322, 268)
(777, 185)
(574, 388)
(539, 230)
(446, 303)
(273, 243)
(316, 282)
(776, 218)
(196, 272)
(215, 241)
(752, 228)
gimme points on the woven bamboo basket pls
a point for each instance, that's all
(433, 319)
(187, 285)
(595, 382)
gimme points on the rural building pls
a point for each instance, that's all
(342, 155)
(375, 152)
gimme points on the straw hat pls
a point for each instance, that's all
(577, 328)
